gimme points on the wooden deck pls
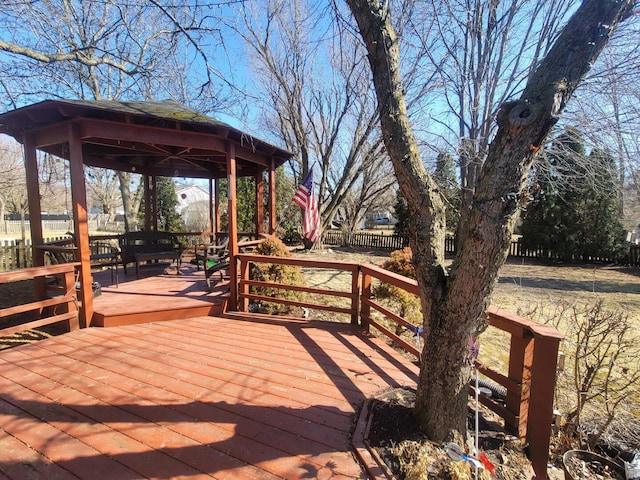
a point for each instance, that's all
(233, 397)
(159, 294)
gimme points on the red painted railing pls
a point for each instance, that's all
(55, 302)
(533, 349)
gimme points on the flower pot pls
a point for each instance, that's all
(583, 465)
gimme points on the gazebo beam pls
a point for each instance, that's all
(146, 134)
(51, 134)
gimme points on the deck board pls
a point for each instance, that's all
(232, 397)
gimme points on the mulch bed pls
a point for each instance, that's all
(408, 454)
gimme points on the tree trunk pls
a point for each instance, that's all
(130, 201)
(454, 307)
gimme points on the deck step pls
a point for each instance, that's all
(146, 316)
(158, 296)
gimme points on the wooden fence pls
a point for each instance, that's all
(379, 241)
(16, 254)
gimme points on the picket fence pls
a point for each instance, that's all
(96, 221)
(377, 241)
(15, 254)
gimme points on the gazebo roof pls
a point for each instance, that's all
(162, 138)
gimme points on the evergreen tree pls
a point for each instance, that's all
(246, 203)
(168, 218)
(603, 234)
(446, 178)
(401, 212)
(246, 208)
(575, 215)
(289, 214)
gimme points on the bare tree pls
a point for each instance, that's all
(473, 55)
(320, 104)
(13, 182)
(103, 189)
(454, 302)
(373, 192)
(608, 113)
(105, 50)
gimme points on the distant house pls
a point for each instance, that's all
(380, 217)
(193, 206)
(634, 235)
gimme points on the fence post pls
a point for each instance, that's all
(21, 261)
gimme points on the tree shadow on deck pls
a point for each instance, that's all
(173, 440)
(166, 420)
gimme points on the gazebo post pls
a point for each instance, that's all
(35, 208)
(33, 195)
(233, 226)
(259, 179)
(216, 213)
(150, 203)
(153, 205)
(273, 223)
(147, 202)
(212, 209)
(81, 225)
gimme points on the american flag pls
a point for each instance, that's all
(305, 198)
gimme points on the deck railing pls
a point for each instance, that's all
(533, 349)
(244, 284)
(56, 301)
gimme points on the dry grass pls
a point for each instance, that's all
(524, 287)
(526, 284)
(521, 283)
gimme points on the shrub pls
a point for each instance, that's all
(400, 262)
(275, 273)
(599, 385)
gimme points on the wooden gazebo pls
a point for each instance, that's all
(149, 138)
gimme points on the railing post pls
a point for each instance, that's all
(520, 361)
(69, 283)
(243, 304)
(365, 308)
(355, 291)
(532, 364)
(542, 382)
